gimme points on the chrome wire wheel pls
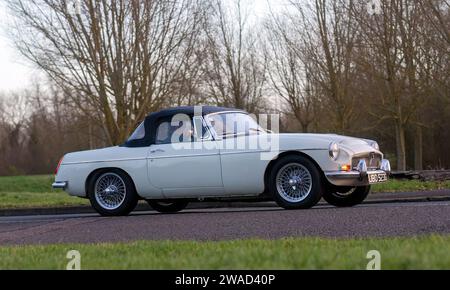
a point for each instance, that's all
(294, 182)
(110, 191)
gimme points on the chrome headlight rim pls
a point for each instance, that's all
(375, 145)
(333, 151)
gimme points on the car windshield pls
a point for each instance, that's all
(232, 124)
(139, 133)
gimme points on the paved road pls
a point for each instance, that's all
(373, 220)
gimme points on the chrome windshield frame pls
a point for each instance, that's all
(213, 131)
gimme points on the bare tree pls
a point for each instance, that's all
(13, 112)
(330, 35)
(288, 71)
(121, 57)
(392, 61)
(235, 72)
(437, 12)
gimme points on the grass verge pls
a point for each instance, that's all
(23, 200)
(29, 183)
(33, 192)
(396, 185)
(430, 252)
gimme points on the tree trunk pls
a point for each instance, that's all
(400, 145)
(418, 149)
(305, 127)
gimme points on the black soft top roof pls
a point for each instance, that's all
(152, 121)
(189, 110)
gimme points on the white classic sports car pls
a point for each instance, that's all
(201, 153)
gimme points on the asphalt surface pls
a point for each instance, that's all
(367, 220)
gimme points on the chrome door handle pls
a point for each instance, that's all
(157, 151)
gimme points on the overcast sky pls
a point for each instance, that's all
(16, 72)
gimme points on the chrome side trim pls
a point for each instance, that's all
(244, 152)
(182, 156)
(60, 184)
(103, 161)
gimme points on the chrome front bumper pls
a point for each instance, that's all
(360, 175)
(60, 184)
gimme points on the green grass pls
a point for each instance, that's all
(14, 200)
(395, 185)
(30, 183)
(431, 252)
(33, 192)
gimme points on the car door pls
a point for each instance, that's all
(241, 154)
(187, 165)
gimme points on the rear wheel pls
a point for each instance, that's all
(295, 183)
(346, 197)
(168, 206)
(112, 193)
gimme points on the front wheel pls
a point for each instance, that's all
(347, 197)
(295, 183)
(169, 206)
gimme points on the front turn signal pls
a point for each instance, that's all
(346, 168)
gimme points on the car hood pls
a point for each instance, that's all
(323, 141)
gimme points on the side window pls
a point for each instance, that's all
(218, 124)
(173, 132)
(163, 133)
(224, 124)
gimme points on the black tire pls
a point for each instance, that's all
(128, 202)
(316, 188)
(168, 206)
(347, 197)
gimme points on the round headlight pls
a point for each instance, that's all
(334, 150)
(375, 145)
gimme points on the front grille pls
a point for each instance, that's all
(373, 160)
